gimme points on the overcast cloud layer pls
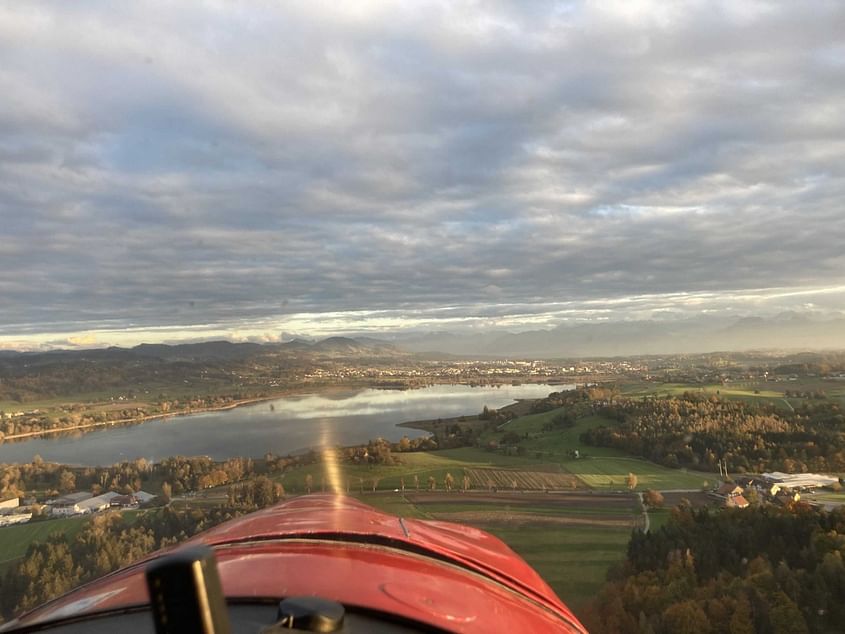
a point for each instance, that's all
(194, 169)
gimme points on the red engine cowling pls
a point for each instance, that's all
(439, 574)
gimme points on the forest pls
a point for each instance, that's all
(763, 569)
(697, 431)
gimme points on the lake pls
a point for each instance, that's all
(291, 425)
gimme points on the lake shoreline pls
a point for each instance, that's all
(137, 420)
(431, 425)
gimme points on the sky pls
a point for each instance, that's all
(259, 171)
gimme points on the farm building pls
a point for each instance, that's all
(99, 503)
(11, 503)
(124, 501)
(799, 480)
(731, 495)
(143, 497)
(7, 519)
(729, 489)
(82, 502)
(736, 501)
(67, 504)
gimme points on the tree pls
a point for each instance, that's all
(631, 481)
(264, 493)
(309, 483)
(742, 621)
(432, 483)
(785, 616)
(449, 481)
(67, 481)
(653, 499)
(686, 617)
(166, 491)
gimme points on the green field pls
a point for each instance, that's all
(657, 518)
(573, 561)
(14, 540)
(612, 474)
(558, 443)
(420, 464)
(601, 468)
(772, 392)
(598, 467)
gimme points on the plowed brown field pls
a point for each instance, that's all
(510, 479)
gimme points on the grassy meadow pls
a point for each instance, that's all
(14, 540)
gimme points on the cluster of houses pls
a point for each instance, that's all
(775, 487)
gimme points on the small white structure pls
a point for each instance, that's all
(7, 519)
(12, 503)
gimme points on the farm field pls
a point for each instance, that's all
(420, 464)
(574, 562)
(612, 474)
(559, 443)
(535, 479)
(14, 540)
(772, 391)
(600, 468)
(546, 461)
(571, 539)
(657, 518)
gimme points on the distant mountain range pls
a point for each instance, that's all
(789, 331)
(333, 347)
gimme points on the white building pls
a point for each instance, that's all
(7, 519)
(12, 503)
(99, 503)
(799, 480)
(68, 504)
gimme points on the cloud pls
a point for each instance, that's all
(82, 341)
(210, 166)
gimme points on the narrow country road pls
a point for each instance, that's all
(647, 522)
